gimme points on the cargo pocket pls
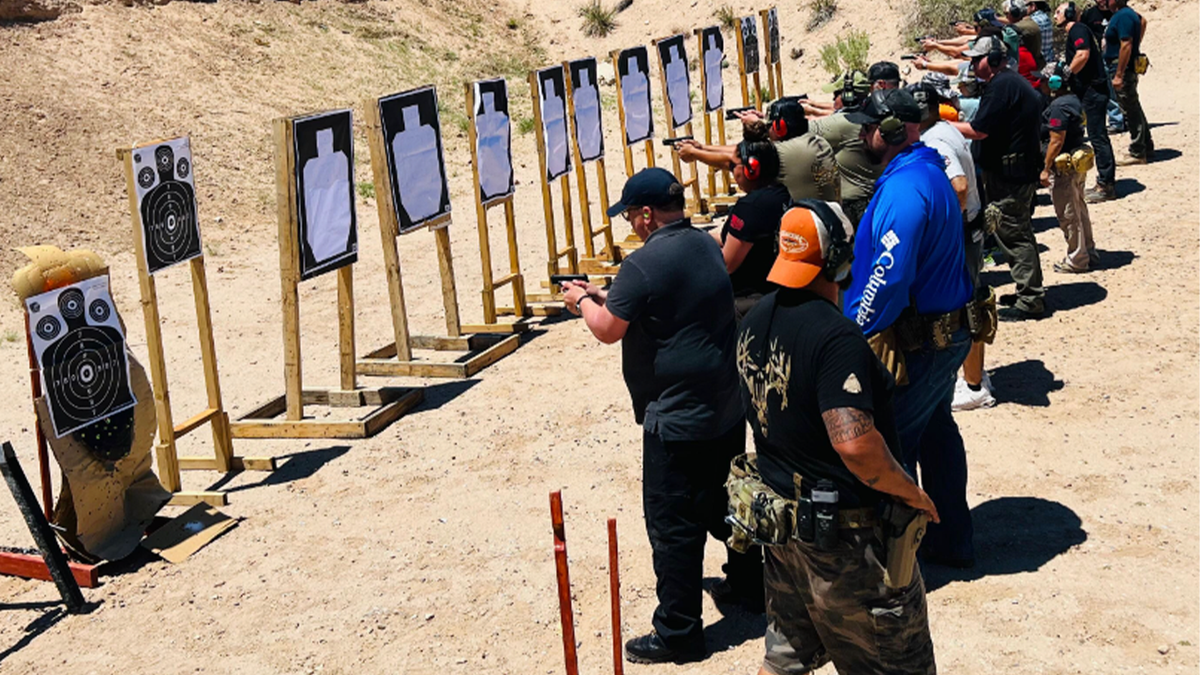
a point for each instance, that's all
(902, 632)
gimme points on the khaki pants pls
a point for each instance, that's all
(1066, 190)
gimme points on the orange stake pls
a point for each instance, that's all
(614, 588)
(564, 583)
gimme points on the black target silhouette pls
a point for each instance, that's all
(86, 376)
(170, 230)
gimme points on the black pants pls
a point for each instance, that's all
(683, 495)
(1095, 106)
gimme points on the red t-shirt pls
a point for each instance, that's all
(1027, 67)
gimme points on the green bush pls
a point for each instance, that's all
(524, 125)
(597, 21)
(727, 18)
(366, 190)
(934, 17)
(822, 12)
(848, 53)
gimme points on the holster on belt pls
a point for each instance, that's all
(903, 529)
(982, 316)
(884, 345)
(756, 513)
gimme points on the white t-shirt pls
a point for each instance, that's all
(955, 149)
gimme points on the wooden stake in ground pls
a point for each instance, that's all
(159, 179)
(407, 165)
(487, 105)
(614, 591)
(563, 575)
(39, 527)
(329, 162)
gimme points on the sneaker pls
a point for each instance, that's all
(1017, 314)
(1132, 160)
(650, 648)
(725, 594)
(1100, 193)
(966, 399)
(1064, 267)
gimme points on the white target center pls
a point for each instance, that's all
(87, 374)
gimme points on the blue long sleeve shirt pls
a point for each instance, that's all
(909, 245)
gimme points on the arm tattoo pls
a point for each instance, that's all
(847, 424)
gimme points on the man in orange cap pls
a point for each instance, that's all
(820, 405)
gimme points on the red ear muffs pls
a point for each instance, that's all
(779, 128)
(750, 168)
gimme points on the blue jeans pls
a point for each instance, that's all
(1116, 118)
(930, 438)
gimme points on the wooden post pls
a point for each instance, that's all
(614, 592)
(441, 236)
(741, 55)
(289, 275)
(345, 284)
(581, 177)
(555, 254)
(648, 144)
(563, 575)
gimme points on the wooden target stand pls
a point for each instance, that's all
(397, 358)
(520, 310)
(608, 259)
(773, 61)
(728, 194)
(742, 75)
(389, 403)
(555, 254)
(631, 242)
(697, 207)
(169, 462)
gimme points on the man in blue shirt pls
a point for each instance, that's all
(909, 291)
(1122, 47)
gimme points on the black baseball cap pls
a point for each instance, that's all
(648, 187)
(887, 103)
(884, 70)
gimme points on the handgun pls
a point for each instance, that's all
(922, 38)
(678, 139)
(910, 57)
(731, 113)
(561, 279)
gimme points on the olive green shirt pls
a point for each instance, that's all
(858, 169)
(807, 168)
(1031, 39)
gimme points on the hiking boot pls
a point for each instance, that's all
(1064, 267)
(1007, 299)
(967, 399)
(1132, 160)
(1101, 192)
(1018, 314)
(650, 648)
(725, 594)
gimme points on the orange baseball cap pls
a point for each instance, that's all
(803, 241)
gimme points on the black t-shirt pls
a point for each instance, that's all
(1064, 114)
(1080, 38)
(1096, 20)
(678, 353)
(799, 357)
(754, 219)
(1010, 113)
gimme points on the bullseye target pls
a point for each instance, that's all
(80, 349)
(167, 204)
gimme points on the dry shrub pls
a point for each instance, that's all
(597, 20)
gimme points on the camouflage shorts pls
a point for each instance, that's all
(824, 606)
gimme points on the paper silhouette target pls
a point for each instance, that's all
(493, 136)
(552, 98)
(412, 132)
(585, 90)
(773, 35)
(672, 58)
(80, 348)
(324, 147)
(750, 44)
(633, 67)
(166, 203)
(712, 57)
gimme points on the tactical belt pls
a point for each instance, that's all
(914, 331)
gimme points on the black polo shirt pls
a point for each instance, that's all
(678, 353)
(1079, 39)
(754, 219)
(1010, 112)
(1064, 114)
(799, 357)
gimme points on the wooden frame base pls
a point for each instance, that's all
(483, 350)
(33, 567)
(391, 404)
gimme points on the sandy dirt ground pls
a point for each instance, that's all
(428, 548)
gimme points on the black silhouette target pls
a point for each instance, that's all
(80, 348)
(167, 204)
